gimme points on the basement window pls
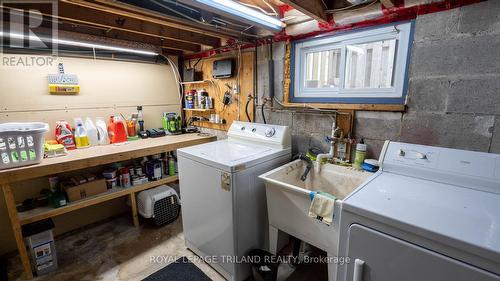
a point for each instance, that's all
(367, 66)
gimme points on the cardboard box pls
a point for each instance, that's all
(85, 190)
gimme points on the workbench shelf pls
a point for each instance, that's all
(196, 82)
(82, 159)
(117, 192)
(200, 109)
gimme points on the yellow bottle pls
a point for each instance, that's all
(81, 137)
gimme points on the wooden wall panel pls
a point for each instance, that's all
(217, 87)
(108, 88)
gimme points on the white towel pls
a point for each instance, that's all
(322, 208)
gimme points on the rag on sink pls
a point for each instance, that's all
(322, 205)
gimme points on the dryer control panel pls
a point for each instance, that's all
(273, 135)
(442, 164)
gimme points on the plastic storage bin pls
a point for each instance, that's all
(21, 144)
(161, 204)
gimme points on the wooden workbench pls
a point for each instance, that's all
(81, 159)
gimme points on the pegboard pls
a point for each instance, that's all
(244, 66)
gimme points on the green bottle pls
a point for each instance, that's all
(171, 165)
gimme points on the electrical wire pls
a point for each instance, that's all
(180, 87)
(305, 105)
(249, 99)
(322, 1)
(349, 8)
(259, 8)
(262, 111)
(238, 87)
(270, 7)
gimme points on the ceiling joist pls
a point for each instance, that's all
(387, 3)
(112, 21)
(313, 8)
(123, 9)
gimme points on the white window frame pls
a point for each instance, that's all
(401, 32)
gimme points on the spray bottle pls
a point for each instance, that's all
(140, 121)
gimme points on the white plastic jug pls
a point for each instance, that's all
(91, 132)
(102, 131)
(81, 137)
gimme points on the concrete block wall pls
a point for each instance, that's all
(454, 90)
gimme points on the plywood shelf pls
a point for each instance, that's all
(199, 109)
(49, 212)
(196, 82)
(101, 155)
(204, 123)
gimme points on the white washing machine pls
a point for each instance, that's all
(430, 214)
(224, 212)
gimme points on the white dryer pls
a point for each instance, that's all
(224, 212)
(429, 214)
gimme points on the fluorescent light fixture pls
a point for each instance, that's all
(245, 12)
(78, 44)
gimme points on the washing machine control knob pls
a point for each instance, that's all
(421, 155)
(243, 128)
(270, 132)
(401, 152)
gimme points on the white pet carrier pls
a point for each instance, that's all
(160, 204)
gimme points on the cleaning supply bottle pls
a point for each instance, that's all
(171, 165)
(117, 130)
(81, 137)
(64, 135)
(102, 131)
(153, 168)
(360, 154)
(91, 132)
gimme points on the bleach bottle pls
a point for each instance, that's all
(91, 132)
(81, 137)
(102, 131)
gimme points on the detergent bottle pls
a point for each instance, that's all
(102, 131)
(91, 132)
(117, 130)
(64, 135)
(81, 137)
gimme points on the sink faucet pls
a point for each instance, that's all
(333, 140)
(308, 166)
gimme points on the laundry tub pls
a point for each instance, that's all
(289, 199)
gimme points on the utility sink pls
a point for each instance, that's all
(288, 201)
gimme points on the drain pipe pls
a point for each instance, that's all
(270, 62)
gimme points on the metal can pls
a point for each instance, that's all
(190, 99)
(138, 171)
(111, 183)
(124, 177)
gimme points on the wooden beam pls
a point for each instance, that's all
(88, 16)
(166, 44)
(313, 8)
(123, 9)
(387, 3)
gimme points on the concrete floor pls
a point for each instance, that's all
(115, 250)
